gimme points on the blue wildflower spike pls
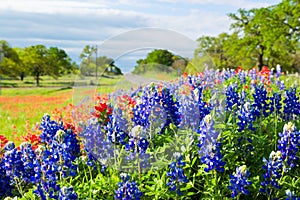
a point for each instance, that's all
(288, 144)
(127, 190)
(239, 181)
(176, 174)
(273, 168)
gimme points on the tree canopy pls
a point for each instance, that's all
(36, 61)
(90, 65)
(160, 60)
(260, 36)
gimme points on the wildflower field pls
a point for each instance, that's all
(220, 134)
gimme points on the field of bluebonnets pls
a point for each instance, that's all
(216, 135)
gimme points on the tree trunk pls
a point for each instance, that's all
(22, 75)
(260, 57)
(37, 79)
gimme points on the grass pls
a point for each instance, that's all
(62, 82)
(160, 75)
(21, 108)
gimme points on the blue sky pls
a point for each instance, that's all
(121, 25)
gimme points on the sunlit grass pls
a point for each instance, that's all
(21, 106)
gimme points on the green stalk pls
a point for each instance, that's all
(276, 136)
(91, 181)
(216, 182)
(19, 187)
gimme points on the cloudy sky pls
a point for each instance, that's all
(121, 29)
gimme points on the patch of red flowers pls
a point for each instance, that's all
(265, 73)
(33, 139)
(238, 69)
(102, 109)
(3, 141)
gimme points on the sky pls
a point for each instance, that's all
(124, 30)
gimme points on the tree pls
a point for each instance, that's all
(42, 61)
(35, 59)
(269, 34)
(160, 60)
(160, 56)
(214, 48)
(11, 64)
(87, 66)
(59, 62)
(89, 62)
(104, 62)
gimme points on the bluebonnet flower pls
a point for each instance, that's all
(246, 118)
(171, 107)
(55, 157)
(207, 133)
(280, 84)
(27, 157)
(46, 174)
(273, 168)
(176, 174)
(193, 109)
(213, 158)
(232, 97)
(291, 104)
(49, 128)
(204, 107)
(98, 144)
(137, 146)
(67, 193)
(288, 144)
(239, 181)
(144, 111)
(209, 148)
(118, 126)
(127, 189)
(291, 195)
(228, 73)
(64, 149)
(252, 74)
(260, 101)
(275, 104)
(278, 71)
(137, 139)
(13, 164)
(242, 76)
(194, 81)
(5, 186)
(89, 159)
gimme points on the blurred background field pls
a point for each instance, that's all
(22, 104)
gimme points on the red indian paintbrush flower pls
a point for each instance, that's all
(3, 141)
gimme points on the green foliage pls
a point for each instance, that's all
(91, 64)
(36, 61)
(261, 36)
(160, 60)
(10, 62)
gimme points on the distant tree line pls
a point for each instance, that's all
(260, 36)
(161, 60)
(92, 64)
(36, 60)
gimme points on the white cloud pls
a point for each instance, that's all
(235, 3)
(72, 24)
(50, 7)
(194, 24)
